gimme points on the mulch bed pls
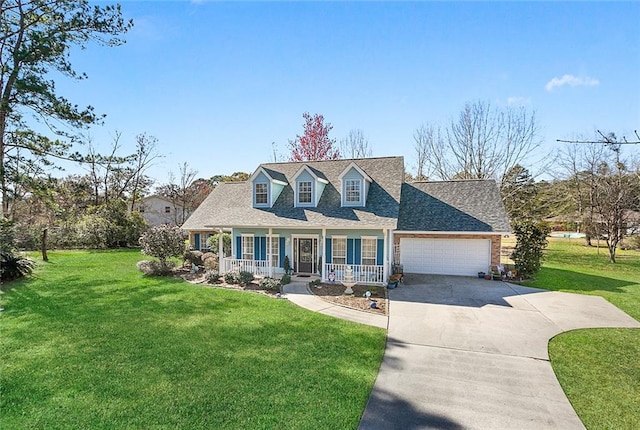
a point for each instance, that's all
(198, 278)
(334, 293)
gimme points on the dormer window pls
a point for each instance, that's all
(308, 188)
(267, 184)
(353, 191)
(354, 186)
(261, 194)
(304, 192)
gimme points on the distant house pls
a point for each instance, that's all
(358, 216)
(158, 210)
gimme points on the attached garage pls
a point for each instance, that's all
(445, 256)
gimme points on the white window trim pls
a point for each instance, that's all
(360, 201)
(375, 256)
(276, 238)
(333, 254)
(298, 202)
(253, 250)
(255, 194)
(296, 193)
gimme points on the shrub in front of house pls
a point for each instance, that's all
(231, 278)
(270, 284)
(155, 268)
(212, 276)
(245, 278)
(163, 242)
(210, 261)
(193, 257)
(286, 279)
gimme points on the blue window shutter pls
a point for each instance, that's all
(239, 247)
(357, 248)
(282, 252)
(380, 252)
(196, 241)
(263, 248)
(256, 248)
(349, 251)
(327, 246)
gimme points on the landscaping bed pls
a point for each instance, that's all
(335, 293)
(199, 278)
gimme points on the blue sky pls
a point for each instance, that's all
(218, 82)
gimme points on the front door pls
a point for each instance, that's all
(305, 255)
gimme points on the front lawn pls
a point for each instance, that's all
(599, 369)
(90, 342)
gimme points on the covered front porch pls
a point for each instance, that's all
(361, 273)
(333, 255)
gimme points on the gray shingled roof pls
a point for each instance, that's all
(230, 203)
(467, 206)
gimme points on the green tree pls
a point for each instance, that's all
(36, 39)
(213, 241)
(519, 194)
(531, 241)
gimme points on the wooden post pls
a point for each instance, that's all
(44, 245)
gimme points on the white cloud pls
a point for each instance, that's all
(518, 101)
(572, 81)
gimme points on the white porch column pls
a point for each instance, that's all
(324, 254)
(269, 248)
(385, 256)
(220, 252)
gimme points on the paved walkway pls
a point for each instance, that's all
(464, 353)
(298, 293)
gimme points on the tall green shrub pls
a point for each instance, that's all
(531, 242)
(163, 242)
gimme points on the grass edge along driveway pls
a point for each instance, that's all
(91, 343)
(598, 369)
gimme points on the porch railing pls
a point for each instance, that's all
(363, 274)
(257, 267)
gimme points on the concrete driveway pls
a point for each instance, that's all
(465, 353)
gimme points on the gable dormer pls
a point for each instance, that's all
(354, 186)
(266, 186)
(308, 185)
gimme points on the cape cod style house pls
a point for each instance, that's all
(358, 214)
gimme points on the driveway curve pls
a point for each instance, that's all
(464, 353)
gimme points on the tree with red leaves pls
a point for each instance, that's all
(315, 143)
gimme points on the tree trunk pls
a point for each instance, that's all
(44, 245)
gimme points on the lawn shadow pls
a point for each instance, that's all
(569, 281)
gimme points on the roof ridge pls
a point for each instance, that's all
(333, 161)
(452, 180)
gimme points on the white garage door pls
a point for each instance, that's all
(464, 257)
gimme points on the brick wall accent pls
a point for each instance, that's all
(496, 240)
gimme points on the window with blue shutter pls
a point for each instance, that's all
(239, 247)
(357, 251)
(380, 255)
(196, 241)
(327, 244)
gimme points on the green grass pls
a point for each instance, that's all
(91, 343)
(599, 369)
